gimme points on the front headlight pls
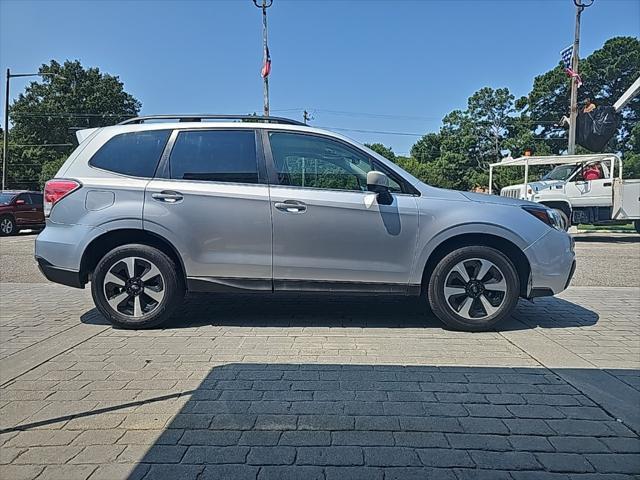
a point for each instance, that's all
(556, 219)
(547, 215)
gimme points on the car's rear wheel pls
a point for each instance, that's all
(7, 226)
(473, 288)
(136, 286)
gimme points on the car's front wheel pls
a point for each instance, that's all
(473, 288)
(136, 286)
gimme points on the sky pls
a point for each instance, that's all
(375, 65)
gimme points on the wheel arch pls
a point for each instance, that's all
(511, 250)
(106, 242)
(559, 204)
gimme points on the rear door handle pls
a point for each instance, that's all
(168, 196)
(291, 206)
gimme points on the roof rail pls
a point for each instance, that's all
(199, 118)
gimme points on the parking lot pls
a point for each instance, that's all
(322, 387)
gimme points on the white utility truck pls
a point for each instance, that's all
(584, 189)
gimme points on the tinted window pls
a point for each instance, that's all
(316, 162)
(136, 154)
(6, 198)
(36, 198)
(26, 197)
(215, 156)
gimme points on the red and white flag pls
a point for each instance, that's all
(567, 57)
(266, 68)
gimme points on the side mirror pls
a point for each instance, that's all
(20, 202)
(378, 182)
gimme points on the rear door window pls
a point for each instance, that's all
(26, 198)
(215, 156)
(135, 154)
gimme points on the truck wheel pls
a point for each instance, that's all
(566, 223)
(473, 288)
(136, 286)
(636, 224)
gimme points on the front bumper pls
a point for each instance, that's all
(59, 275)
(553, 263)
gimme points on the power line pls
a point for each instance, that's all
(41, 145)
(72, 114)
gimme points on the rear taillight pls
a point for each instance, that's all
(55, 190)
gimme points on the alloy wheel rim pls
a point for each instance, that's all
(6, 226)
(475, 288)
(134, 287)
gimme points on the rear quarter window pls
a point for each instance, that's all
(135, 154)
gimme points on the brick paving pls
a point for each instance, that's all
(318, 387)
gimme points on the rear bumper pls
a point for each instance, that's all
(59, 275)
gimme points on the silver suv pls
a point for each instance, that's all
(157, 206)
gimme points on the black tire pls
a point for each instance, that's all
(167, 281)
(636, 224)
(445, 311)
(8, 226)
(565, 218)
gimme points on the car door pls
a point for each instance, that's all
(210, 201)
(25, 210)
(329, 232)
(596, 192)
(36, 199)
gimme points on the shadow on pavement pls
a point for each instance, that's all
(333, 422)
(620, 238)
(270, 421)
(287, 310)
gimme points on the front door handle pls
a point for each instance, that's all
(291, 206)
(168, 196)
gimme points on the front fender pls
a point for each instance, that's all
(472, 228)
(444, 219)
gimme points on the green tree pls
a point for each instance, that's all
(427, 148)
(606, 74)
(380, 149)
(49, 111)
(458, 156)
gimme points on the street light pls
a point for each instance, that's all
(5, 143)
(266, 57)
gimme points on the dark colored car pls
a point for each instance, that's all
(20, 210)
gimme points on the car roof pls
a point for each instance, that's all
(15, 192)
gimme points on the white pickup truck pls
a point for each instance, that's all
(577, 196)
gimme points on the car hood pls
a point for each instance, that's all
(496, 199)
(546, 184)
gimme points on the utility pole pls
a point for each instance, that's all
(266, 57)
(5, 142)
(573, 112)
(5, 136)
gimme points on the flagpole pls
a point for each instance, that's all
(573, 112)
(265, 4)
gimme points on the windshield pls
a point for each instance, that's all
(561, 172)
(6, 198)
